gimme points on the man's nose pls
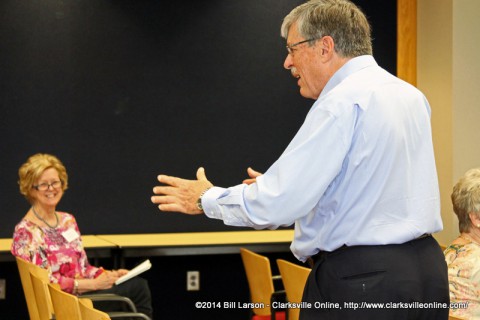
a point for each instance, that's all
(287, 64)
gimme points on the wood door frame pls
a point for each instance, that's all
(407, 40)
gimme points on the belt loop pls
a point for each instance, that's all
(321, 255)
(310, 262)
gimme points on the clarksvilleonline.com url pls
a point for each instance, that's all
(331, 305)
(405, 305)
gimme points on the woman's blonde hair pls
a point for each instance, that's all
(466, 198)
(30, 172)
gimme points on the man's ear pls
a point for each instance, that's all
(326, 47)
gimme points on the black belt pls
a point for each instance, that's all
(322, 254)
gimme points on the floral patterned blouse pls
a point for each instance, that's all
(49, 248)
(463, 262)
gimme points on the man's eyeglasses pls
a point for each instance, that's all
(45, 186)
(290, 46)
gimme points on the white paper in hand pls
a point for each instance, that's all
(144, 266)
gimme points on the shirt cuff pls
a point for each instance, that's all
(209, 202)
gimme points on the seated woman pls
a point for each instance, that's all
(51, 239)
(463, 255)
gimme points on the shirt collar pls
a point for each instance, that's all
(353, 65)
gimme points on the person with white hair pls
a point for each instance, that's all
(463, 254)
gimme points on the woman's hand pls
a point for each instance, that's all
(105, 281)
(118, 273)
(122, 272)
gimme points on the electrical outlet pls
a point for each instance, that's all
(193, 280)
(2, 288)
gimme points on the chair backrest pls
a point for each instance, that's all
(24, 271)
(259, 277)
(88, 312)
(65, 305)
(294, 278)
(43, 311)
(40, 280)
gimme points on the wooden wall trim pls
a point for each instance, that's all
(407, 40)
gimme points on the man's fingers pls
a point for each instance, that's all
(252, 173)
(249, 181)
(201, 174)
(167, 190)
(253, 176)
(180, 195)
(164, 199)
(169, 203)
(172, 181)
(172, 207)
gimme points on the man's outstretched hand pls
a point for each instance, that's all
(180, 195)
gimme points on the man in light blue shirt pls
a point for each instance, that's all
(358, 180)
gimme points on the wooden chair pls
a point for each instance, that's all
(39, 278)
(24, 271)
(24, 268)
(88, 312)
(65, 305)
(40, 283)
(260, 283)
(294, 278)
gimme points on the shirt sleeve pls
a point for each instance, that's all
(27, 245)
(87, 271)
(21, 243)
(293, 185)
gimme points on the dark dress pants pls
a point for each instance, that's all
(392, 282)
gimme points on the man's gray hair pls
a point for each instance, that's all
(340, 19)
